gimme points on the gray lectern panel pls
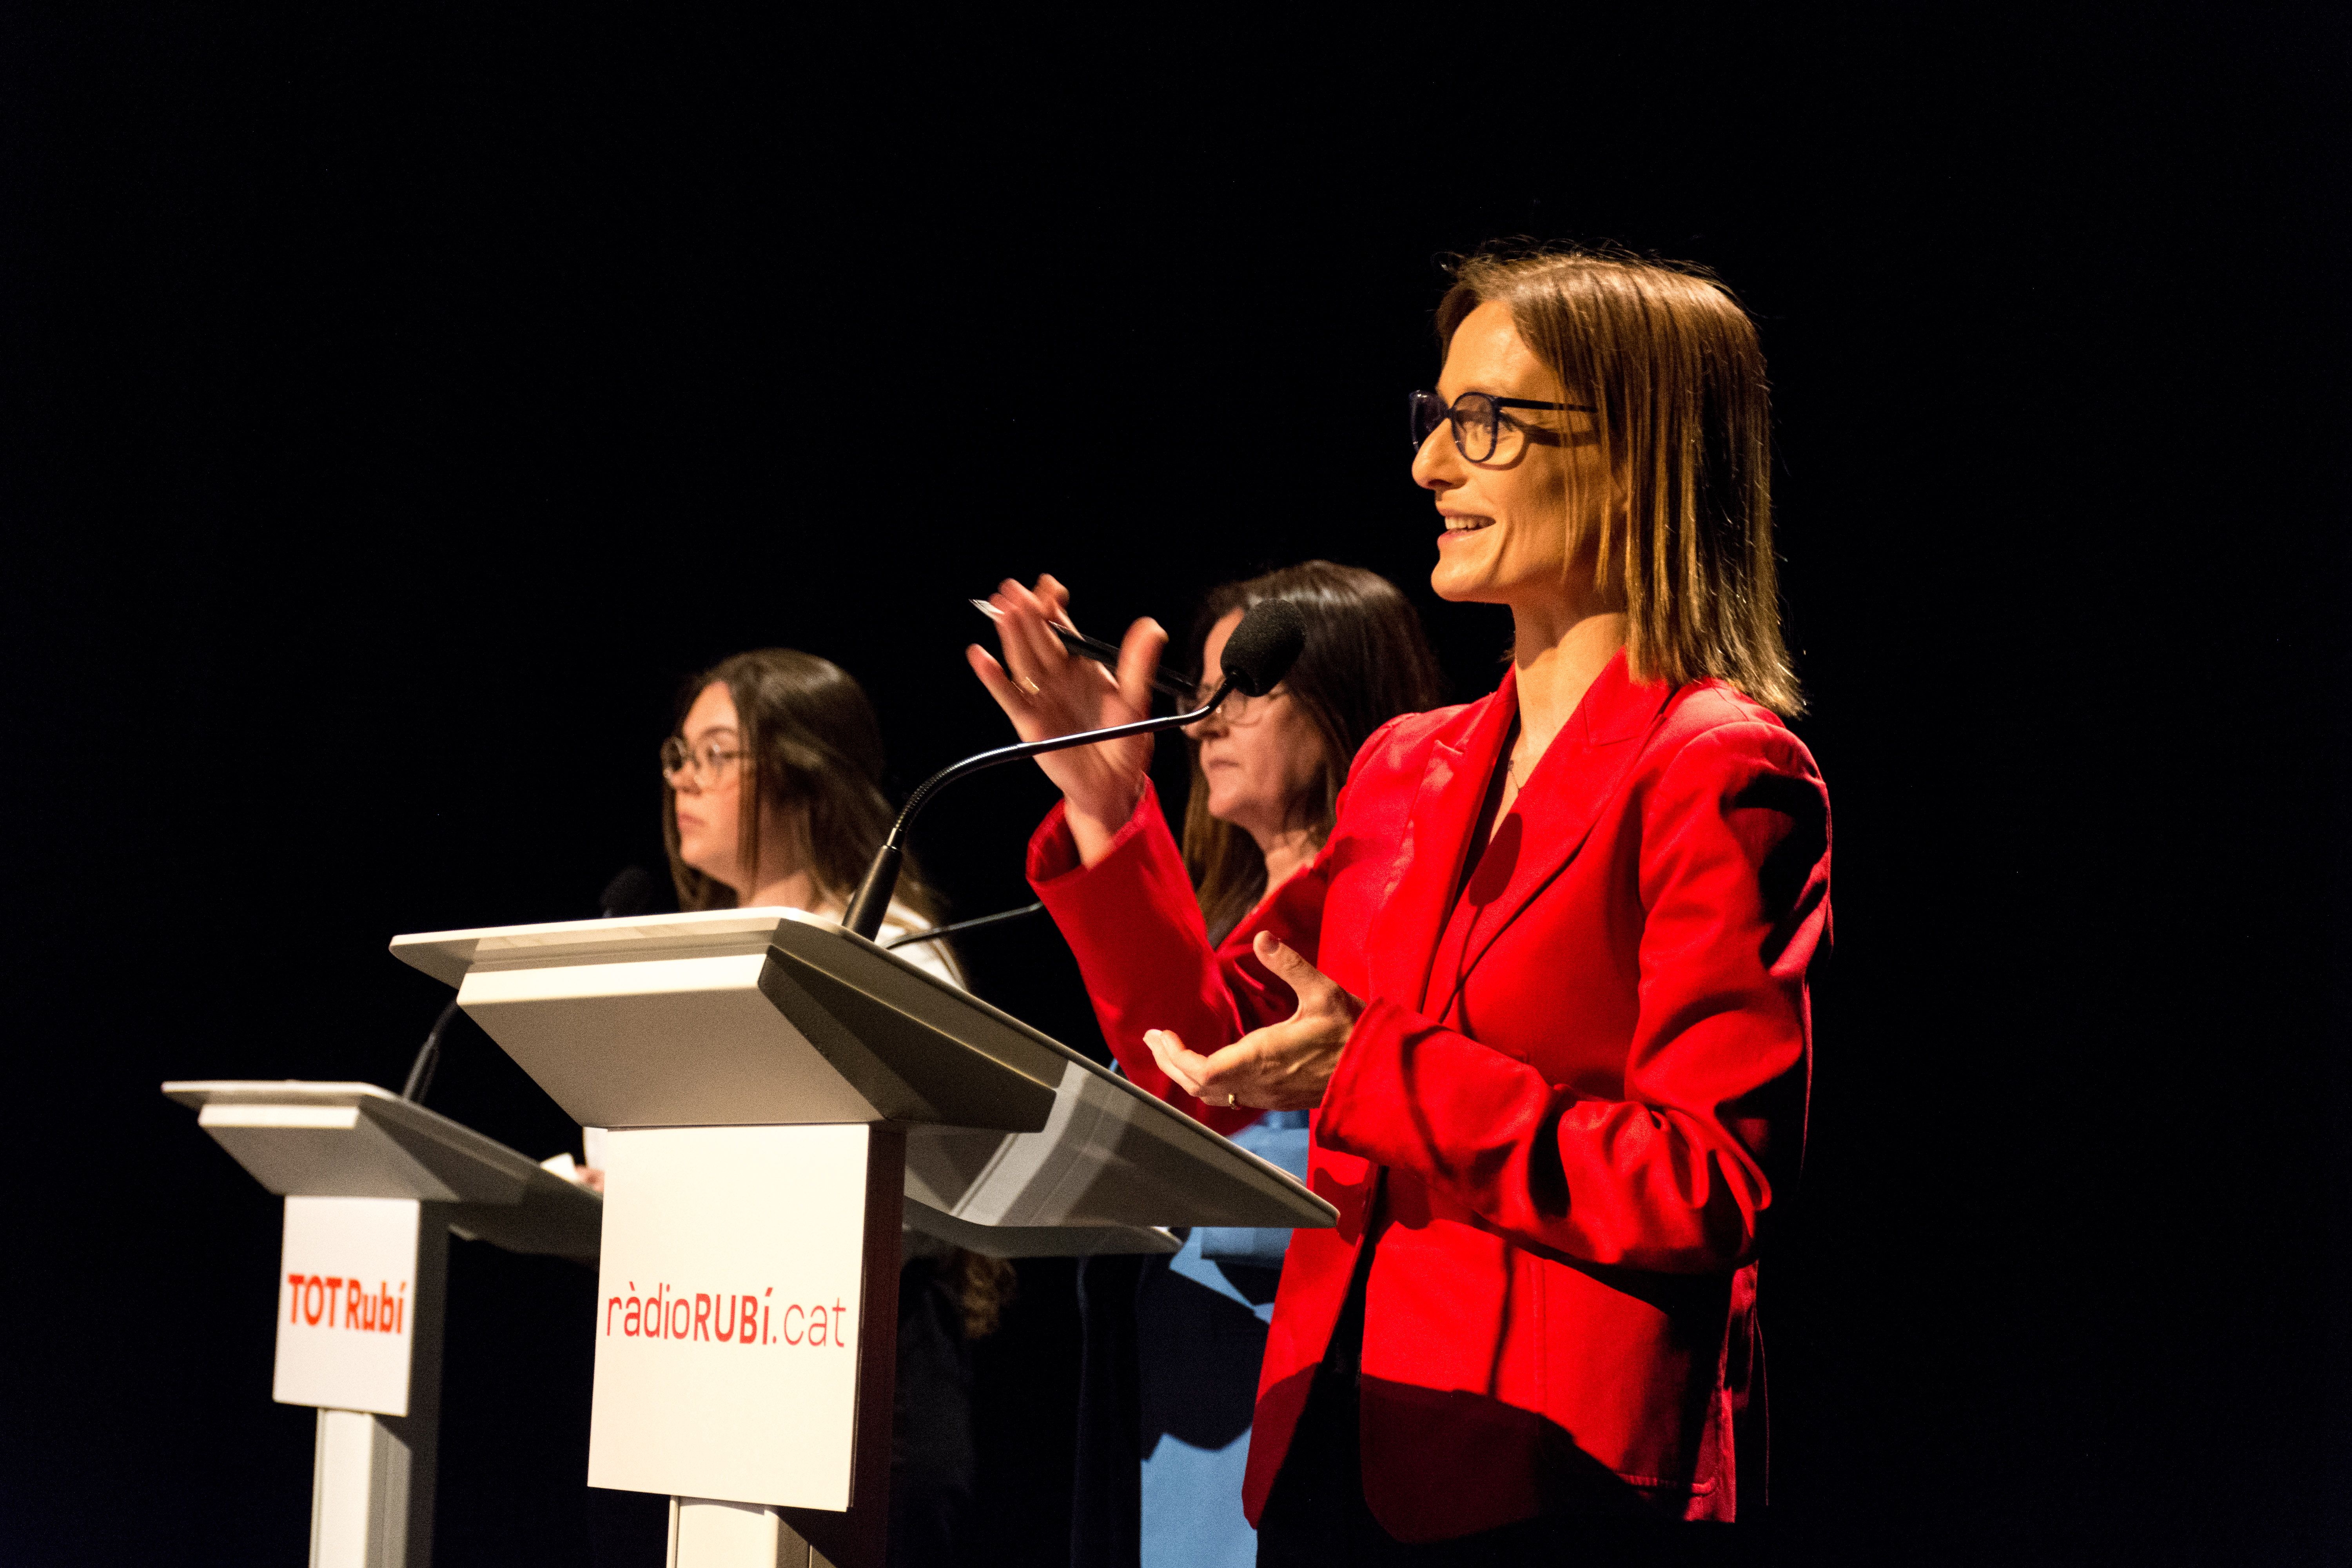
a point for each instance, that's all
(738, 1018)
(450, 955)
(554, 1216)
(353, 1141)
(1110, 1155)
(907, 1063)
(1040, 1240)
(751, 1016)
(357, 1140)
(665, 1042)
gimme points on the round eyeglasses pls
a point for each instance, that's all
(1482, 433)
(710, 764)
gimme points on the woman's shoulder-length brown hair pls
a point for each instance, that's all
(1671, 365)
(1366, 660)
(811, 745)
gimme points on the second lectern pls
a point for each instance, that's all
(782, 1094)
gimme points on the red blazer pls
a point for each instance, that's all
(1578, 1086)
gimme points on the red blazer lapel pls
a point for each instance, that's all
(1405, 935)
(1577, 776)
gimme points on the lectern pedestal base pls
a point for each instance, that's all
(372, 1491)
(704, 1534)
(371, 1482)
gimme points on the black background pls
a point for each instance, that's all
(401, 400)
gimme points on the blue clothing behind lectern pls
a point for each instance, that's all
(1167, 1382)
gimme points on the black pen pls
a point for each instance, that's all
(1102, 653)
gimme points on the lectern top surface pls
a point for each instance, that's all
(380, 1103)
(290, 1090)
(447, 956)
(899, 1045)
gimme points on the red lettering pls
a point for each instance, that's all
(294, 1297)
(816, 1324)
(788, 1325)
(678, 1308)
(840, 1336)
(724, 1332)
(334, 1288)
(311, 1291)
(352, 1312)
(611, 1306)
(766, 1337)
(750, 1310)
(702, 1305)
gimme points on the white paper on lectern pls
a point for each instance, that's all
(344, 1330)
(705, 1229)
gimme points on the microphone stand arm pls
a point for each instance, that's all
(428, 1056)
(872, 904)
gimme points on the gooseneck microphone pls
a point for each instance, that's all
(1258, 655)
(636, 891)
(428, 1056)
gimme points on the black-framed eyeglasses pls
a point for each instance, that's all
(711, 761)
(1482, 431)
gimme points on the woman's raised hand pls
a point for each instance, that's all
(1282, 1067)
(1047, 691)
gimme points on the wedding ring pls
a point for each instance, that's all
(1028, 685)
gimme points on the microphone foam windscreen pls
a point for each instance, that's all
(636, 891)
(1263, 647)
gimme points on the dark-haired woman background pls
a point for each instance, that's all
(1173, 1345)
(1545, 985)
(773, 797)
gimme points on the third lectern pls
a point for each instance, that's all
(782, 1094)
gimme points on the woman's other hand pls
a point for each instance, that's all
(1047, 690)
(1282, 1067)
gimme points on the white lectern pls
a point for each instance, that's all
(780, 1093)
(373, 1185)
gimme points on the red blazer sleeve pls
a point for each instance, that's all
(1135, 926)
(1676, 1176)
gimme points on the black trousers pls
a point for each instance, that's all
(1316, 1516)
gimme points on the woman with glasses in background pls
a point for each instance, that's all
(1173, 1345)
(772, 797)
(1545, 985)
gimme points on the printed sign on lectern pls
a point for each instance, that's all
(346, 1277)
(727, 1316)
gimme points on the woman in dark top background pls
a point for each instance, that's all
(1173, 1344)
(772, 797)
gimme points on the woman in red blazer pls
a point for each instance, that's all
(1544, 986)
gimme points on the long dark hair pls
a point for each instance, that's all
(812, 747)
(1366, 660)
